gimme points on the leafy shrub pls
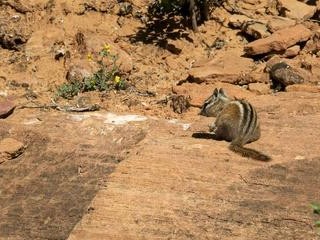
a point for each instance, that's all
(105, 78)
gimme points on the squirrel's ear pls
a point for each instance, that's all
(215, 92)
(221, 91)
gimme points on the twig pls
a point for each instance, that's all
(65, 108)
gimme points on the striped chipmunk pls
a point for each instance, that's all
(236, 122)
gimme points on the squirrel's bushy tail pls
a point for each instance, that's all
(248, 152)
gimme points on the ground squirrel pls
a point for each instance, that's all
(236, 122)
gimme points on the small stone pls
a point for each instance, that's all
(256, 30)
(238, 20)
(299, 157)
(78, 72)
(283, 75)
(10, 149)
(292, 51)
(6, 108)
(306, 65)
(59, 50)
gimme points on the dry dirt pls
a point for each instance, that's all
(132, 170)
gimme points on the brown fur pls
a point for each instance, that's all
(236, 122)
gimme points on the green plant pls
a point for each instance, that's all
(69, 90)
(316, 210)
(197, 10)
(315, 207)
(105, 78)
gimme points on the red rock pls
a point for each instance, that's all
(276, 23)
(10, 149)
(225, 68)
(6, 108)
(292, 51)
(279, 41)
(257, 30)
(313, 45)
(296, 10)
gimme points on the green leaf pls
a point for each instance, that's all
(317, 223)
(316, 208)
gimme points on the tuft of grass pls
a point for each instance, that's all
(105, 78)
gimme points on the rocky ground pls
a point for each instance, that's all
(122, 163)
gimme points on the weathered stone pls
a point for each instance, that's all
(226, 68)
(276, 23)
(283, 75)
(10, 149)
(313, 45)
(238, 20)
(279, 41)
(259, 88)
(79, 71)
(292, 51)
(256, 30)
(6, 108)
(295, 9)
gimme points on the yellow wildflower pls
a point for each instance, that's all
(106, 47)
(90, 57)
(117, 79)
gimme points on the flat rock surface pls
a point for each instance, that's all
(175, 186)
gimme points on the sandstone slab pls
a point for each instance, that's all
(296, 9)
(226, 68)
(279, 41)
(277, 23)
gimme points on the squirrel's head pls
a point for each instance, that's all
(215, 103)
